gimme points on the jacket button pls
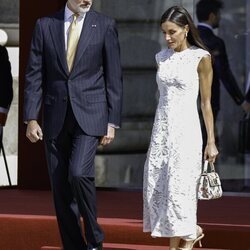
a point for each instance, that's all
(65, 98)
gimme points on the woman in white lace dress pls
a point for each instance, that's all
(174, 158)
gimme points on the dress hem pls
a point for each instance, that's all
(165, 235)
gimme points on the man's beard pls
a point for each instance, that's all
(83, 10)
(216, 25)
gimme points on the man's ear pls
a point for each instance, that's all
(211, 17)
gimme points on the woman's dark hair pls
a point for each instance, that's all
(181, 17)
(205, 7)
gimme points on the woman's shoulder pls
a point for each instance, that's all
(162, 55)
(200, 52)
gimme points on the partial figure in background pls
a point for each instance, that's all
(74, 70)
(6, 90)
(174, 160)
(246, 103)
(208, 14)
(245, 137)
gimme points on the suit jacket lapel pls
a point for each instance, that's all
(57, 33)
(87, 33)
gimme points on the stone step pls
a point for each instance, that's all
(112, 246)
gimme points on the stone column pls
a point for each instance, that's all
(232, 29)
(121, 164)
(247, 35)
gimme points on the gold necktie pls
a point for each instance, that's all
(73, 38)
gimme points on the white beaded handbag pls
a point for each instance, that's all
(209, 186)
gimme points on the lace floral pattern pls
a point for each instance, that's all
(173, 164)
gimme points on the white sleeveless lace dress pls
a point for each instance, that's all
(174, 157)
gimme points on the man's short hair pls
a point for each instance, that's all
(205, 7)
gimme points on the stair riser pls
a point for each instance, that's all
(33, 232)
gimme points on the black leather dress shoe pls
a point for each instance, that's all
(99, 247)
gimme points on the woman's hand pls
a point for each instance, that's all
(210, 152)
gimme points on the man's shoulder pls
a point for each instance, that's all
(206, 32)
(210, 39)
(102, 16)
(218, 42)
(57, 15)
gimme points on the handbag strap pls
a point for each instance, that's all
(205, 167)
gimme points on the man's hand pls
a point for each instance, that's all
(105, 140)
(34, 131)
(3, 118)
(246, 106)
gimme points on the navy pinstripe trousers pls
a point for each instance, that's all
(70, 159)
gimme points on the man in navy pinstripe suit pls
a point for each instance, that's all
(82, 108)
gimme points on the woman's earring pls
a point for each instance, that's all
(186, 34)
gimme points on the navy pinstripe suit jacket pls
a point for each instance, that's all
(94, 85)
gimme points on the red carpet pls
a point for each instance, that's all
(27, 222)
(110, 246)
